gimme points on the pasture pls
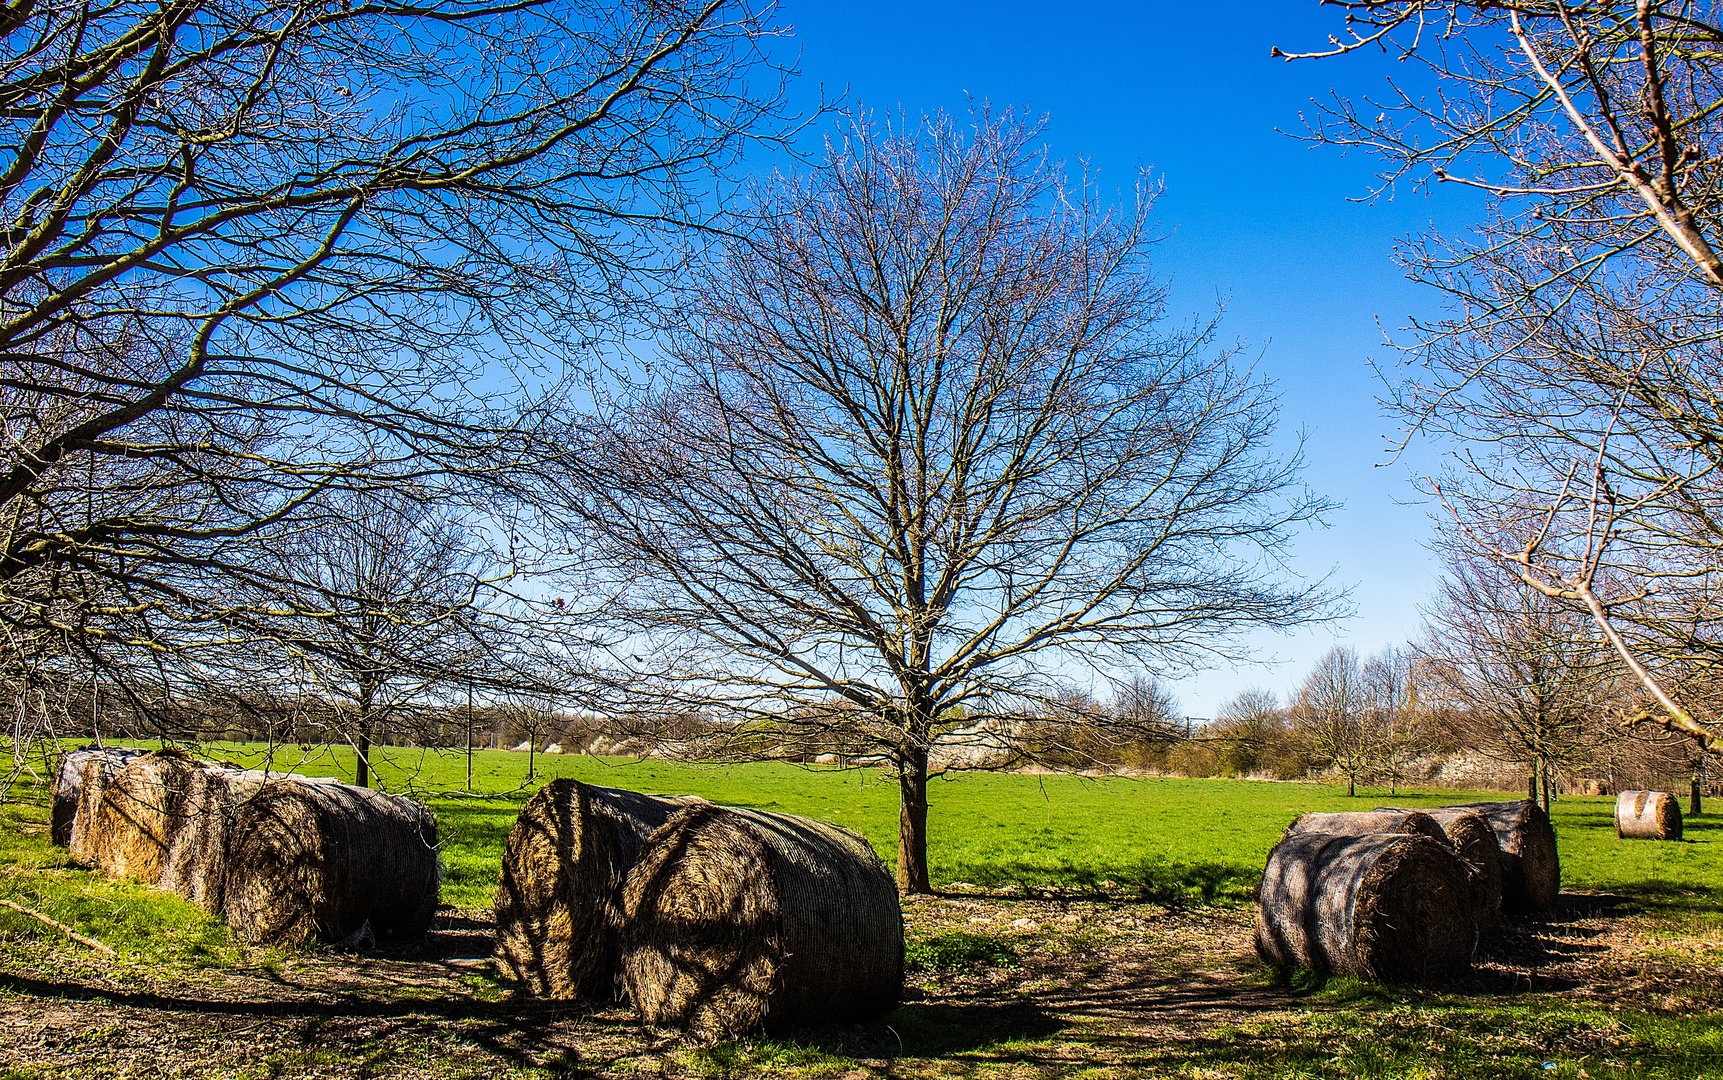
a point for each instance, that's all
(1084, 927)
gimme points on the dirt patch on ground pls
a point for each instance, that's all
(999, 986)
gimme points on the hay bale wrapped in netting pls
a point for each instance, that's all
(1647, 815)
(196, 862)
(69, 782)
(559, 904)
(1531, 867)
(127, 827)
(316, 860)
(1394, 907)
(1365, 822)
(1475, 843)
(741, 920)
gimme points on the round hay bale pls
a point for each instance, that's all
(127, 827)
(1365, 822)
(1392, 907)
(740, 920)
(196, 863)
(317, 860)
(1531, 866)
(559, 903)
(1647, 815)
(68, 783)
(1472, 839)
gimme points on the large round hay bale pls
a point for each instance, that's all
(1365, 822)
(739, 921)
(196, 863)
(1531, 866)
(1394, 907)
(1475, 843)
(1647, 815)
(316, 860)
(68, 783)
(127, 827)
(559, 903)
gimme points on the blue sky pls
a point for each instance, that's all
(1256, 218)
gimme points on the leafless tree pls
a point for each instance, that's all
(1525, 676)
(1397, 715)
(922, 438)
(1578, 370)
(1331, 716)
(387, 600)
(253, 251)
(1253, 735)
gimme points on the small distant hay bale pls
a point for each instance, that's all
(739, 921)
(1394, 907)
(553, 748)
(520, 748)
(1531, 866)
(69, 782)
(1366, 822)
(127, 827)
(1647, 815)
(318, 860)
(559, 903)
(1472, 839)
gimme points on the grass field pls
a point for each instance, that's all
(1090, 927)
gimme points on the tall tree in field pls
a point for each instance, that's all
(253, 250)
(1397, 714)
(922, 439)
(1578, 369)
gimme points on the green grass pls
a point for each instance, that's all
(1178, 842)
(1163, 839)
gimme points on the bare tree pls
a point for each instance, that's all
(387, 602)
(924, 437)
(1253, 735)
(1579, 368)
(1331, 716)
(1524, 675)
(253, 251)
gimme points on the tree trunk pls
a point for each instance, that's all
(1696, 802)
(1351, 785)
(1532, 782)
(912, 822)
(362, 743)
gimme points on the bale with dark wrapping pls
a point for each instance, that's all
(1475, 843)
(1531, 867)
(1647, 815)
(127, 827)
(69, 782)
(1394, 907)
(318, 860)
(1365, 822)
(739, 921)
(559, 905)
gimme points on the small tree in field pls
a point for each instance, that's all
(922, 438)
(1329, 715)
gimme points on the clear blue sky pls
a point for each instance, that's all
(1255, 217)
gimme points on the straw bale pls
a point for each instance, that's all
(69, 782)
(1647, 815)
(741, 920)
(1393, 907)
(559, 903)
(1531, 865)
(127, 827)
(317, 860)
